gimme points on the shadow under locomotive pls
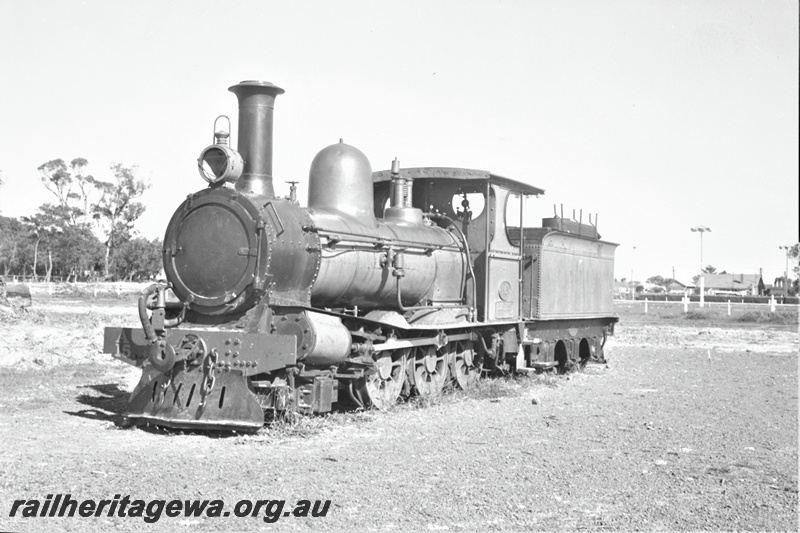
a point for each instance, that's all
(388, 283)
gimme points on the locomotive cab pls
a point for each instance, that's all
(476, 202)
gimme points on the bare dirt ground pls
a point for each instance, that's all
(687, 428)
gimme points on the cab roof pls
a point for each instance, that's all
(465, 174)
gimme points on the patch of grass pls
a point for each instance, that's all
(287, 426)
(780, 316)
(22, 315)
(713, 314)
(490, 388)
(702, 314)
(493, 388)
(754, 316)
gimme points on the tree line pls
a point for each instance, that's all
(85, 233)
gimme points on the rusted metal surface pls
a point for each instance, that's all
(224, 250)
(248, 353)
(577, 338)
(575, 277)
(215, 251)
(340, 180)
(256, 105)
(357, 263)
(321, 339)
(186, 399)
(504, 270)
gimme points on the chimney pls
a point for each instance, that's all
(256, 104)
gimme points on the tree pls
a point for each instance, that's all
(139, 259)
(47, 227)
(57, 179)
(75, 191)
(117, 209)
(37, 230)
(710, 269)
(794, 255)
(83, 201)
(660, 280)
(78, 253)
(88, 191)
(15, 246)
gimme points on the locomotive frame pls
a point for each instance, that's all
(382, 287)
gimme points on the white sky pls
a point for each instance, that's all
(657, 115)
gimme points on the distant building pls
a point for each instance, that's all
(679, 287)
(781, 286)
(653, 288)
(622, 289)
(738, 284)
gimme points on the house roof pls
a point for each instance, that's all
(730, 282)
(683, 284)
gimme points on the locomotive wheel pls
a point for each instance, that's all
(382, 389)
(465, 364)
(429, 370)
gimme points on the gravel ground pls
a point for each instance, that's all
(686, 428)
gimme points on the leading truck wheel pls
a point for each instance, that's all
(382, 388)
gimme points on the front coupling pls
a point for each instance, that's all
(162, 356)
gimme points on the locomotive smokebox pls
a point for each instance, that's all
(256, 105)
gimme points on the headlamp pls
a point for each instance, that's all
(219, 163)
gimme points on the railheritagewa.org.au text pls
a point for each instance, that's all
(152, 510)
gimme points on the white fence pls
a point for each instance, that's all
(734, 303)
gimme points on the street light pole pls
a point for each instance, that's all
(701, 230)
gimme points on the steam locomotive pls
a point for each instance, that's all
(388, 284)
